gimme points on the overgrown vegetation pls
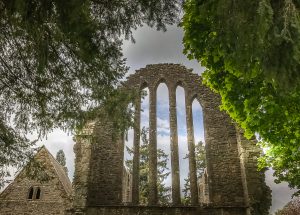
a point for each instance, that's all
(61, 159)
(200, 156)
(164, 192)
(60, 60)
(251, 50)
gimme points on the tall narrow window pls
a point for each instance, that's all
(30, 194)
(183, 146)
(38, 193)
(164, 177)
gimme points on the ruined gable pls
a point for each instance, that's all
(31, 196)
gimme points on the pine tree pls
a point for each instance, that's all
(59, 60)
(164, 192)
(61, 159)
(200, 165)
(186, 199)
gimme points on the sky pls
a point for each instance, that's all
(153, 47)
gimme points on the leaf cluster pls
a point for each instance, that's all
(61, 159)
(60, 60)
(251, 52)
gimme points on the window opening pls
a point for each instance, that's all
(38, 193)
(30, 195)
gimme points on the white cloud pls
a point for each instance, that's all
(157, 47)
(163, 126)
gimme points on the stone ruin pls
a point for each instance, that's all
(232, 184)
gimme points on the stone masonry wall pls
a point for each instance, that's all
(53, 200)
(126, 186)
(230, 167)
(155, 210)
(224, 170)
(82, 149)
(258, 193)
(106, 166)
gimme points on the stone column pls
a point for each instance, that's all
(83, 151)
(152, 199)
(191, 148)
(136, 153)
(174, 147)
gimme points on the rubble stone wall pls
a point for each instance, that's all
(14, 200)
(233, 181)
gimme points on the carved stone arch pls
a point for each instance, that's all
(196, 97)
(162, 80)
(144, 85)
(180, 83)
(98, 167)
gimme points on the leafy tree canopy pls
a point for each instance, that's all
(251, 50)
(61, 59)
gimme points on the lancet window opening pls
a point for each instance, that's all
(175, 170)
(199, 135)
(163, 145)
(182, 145)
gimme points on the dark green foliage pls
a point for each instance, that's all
(186, 199)
(164, 192)
(251, 50)
(246, 38)
(200, 156)
(61, 59)
(14, 151)
(200, 165)
(37, 170)
(61, 159)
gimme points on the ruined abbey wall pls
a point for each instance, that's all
(234, 185)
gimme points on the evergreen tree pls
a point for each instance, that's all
(200, 165)
(61, 159)
(164, 192)
(186, 199)
(59, 61)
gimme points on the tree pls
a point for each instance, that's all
(186, 199)
(251, 52)
(62, 59)
(200, 156)
(61, 159)
(164, 192)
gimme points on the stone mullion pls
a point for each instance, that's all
(152, 199)
(191, 148)
(174, 148)
(136, 153)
